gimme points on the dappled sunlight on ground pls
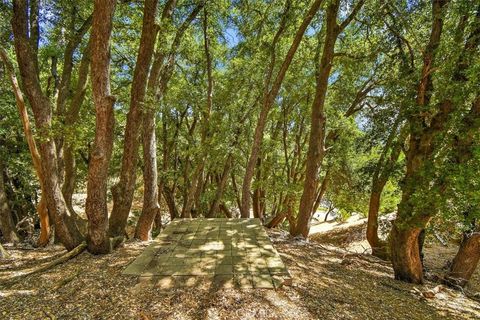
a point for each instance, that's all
(328, 283)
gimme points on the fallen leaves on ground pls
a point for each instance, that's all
(328, 283)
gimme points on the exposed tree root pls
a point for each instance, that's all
(67, 256)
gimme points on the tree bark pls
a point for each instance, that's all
(42, 210)
(96, 205)
(64, 88)
(151, 207)
(316, 143)
(268, 100)
(124, 190)
(160, 75)
(201, 160)
(381, 175)
(411, 217)
(70, 119)
(406, 256)
(65, 227)
(466, 260)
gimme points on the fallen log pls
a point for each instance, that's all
(67, 256)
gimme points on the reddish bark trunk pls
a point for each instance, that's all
(316, 144)
(466, 260)
(157, 84)
(96, 205)
(379, 247)
(406, 257)
(123, 191)
(151, 207)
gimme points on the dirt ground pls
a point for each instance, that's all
(328, 283)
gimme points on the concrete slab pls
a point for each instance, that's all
(225, 253)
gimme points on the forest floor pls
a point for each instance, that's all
(329, 282)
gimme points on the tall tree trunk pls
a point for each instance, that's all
(160, 75)
(316, 146)
(123, 191)
(70, 119)
(268, 100)
(64, 89)
(151, 207)
(65, 227)
(201, 160)
(7, 226)
(96, 205)
(42, 210)
(411, 217)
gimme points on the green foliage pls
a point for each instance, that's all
(373, 83)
